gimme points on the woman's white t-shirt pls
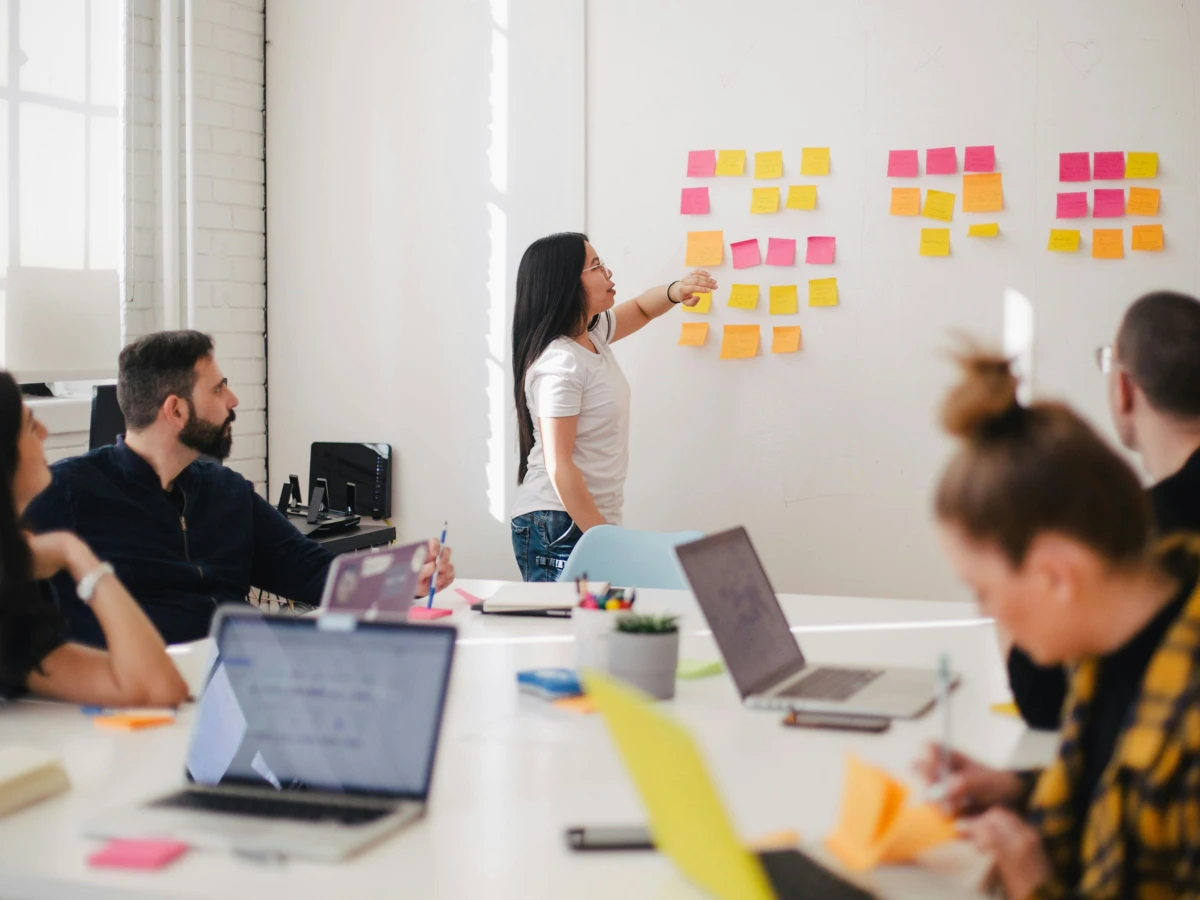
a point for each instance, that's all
(569, 380)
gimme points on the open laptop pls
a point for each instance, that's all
(381, 581)
(762, 654)
(313, 737)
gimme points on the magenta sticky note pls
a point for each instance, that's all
(902, 164)
(1110, 166)
(1072, 205)
(702, 163)
(745, 254)
(1108, 203)
(980, 159)
(781, 252)
(694, 202)
(148, 854)
(941, 161)
(820, 250)
(427, 613)
(1074, 167)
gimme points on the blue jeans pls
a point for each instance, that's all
(542, 541)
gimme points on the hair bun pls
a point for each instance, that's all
(984, 399)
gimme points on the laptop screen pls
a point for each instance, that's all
(737, 599)
(322, 704)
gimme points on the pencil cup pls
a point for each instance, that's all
(647, 661)
(593, 634)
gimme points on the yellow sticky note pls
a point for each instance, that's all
(694, 334)
(814, 161)
(703, 305)
(1063, 240)
(1108, 243)
(938, 205)
(769, 164)
(1147, 237)
(935, 241)
(739, 342)
(802, 196)
(905, 202)
(784, 300)
(822, 292)
(731, 162)
(1007, 708)
(705, 248)
(1142, 202)
(785, 339)
(983, 193)
(1141, 165)
(743, 296)
(987, 229)
(764, 200)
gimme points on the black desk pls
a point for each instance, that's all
(371, 534)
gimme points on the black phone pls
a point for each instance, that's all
(837, 721)
(620, 837)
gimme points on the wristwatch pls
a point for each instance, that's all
(86, 587)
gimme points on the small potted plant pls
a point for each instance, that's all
(644, 650)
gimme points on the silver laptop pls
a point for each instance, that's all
(314, 737)
(762, 654)
(379, 582)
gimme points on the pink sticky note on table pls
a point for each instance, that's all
(745, 254)
(1110, 166)
(980, 159)
(820, 250)
(902, 164)
(1072, 205)
(1108, 203)
(694, 202)
(1074, 167)
(702, 163)
(941, 161)
(120, 854)
(781, 252)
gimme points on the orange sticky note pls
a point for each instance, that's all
(1147, 237)
(705, 248)
(784, 301)
(739, 342)
(584, 706)
(983, 193)
(694, 334)
(822, 292)
(133, 721)
(785, 339)
(1108, 243)
(1142, 202)
(906, 202)
(915, 830)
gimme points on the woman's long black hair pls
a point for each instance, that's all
(550, 304)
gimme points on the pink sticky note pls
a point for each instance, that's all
(941, 161)
(694, 202)
(702, 163)
(902, 164)
(1072, 205)
(781, 252)
(1108, 203)
(1074, 167)
(1110, 166)
(745, 254)
(120, 854)
(820, 250)
(980, 159)
(427, 613)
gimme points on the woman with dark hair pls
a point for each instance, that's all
(572, 399)
(135, 670)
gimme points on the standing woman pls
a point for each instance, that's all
(572, 399)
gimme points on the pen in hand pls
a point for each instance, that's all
(436, 560)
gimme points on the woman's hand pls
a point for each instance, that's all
(1017, 848)
(693, 283)
(445, 569)
(971, 787)
(55, 551)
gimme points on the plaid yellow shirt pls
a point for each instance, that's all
(1141, 837)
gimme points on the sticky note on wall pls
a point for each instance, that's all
(731, 162)
(764, 200)
(1108, 203)
(743, 296)
(1074, 167)
(802, 196)
(1110, 165)
(820, 250)
(935, 242)
(1063, 240)
(980, 159)
(1141, 165)
(823, 292)
(694, 201)
(1108, 243)
(1142, 202)
(941, 161)
(693, 334)
(905, 202)
(814, 161)
(705, 248)
(983, 193)
(1147, 237)
(703, 304)
(902, 164)
(739, 342)
(986, 229)
(938, 205)
(784, 300)
(702, 163)
(1072, 205)
(781, 251)
(785, 339)
(769, 164)
(746, 254)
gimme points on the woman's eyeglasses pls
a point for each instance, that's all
(600, 265)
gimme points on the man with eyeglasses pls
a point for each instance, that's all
(1153, 374)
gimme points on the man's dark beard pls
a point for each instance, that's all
(205, 437)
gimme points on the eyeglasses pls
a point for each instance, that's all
(1104, 359)
(599, 265)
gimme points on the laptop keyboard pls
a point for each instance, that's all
(832, 684)
(268, 807)
(797, 877)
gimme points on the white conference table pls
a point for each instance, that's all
(512, 772)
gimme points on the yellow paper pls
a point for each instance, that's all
(982, 193)
(988, 229)
(703, 305)
(1142, 202)
(814, 161)
(731, 162)
(1141, 165)
(822, 292)
(705, 248)
(1147, 237)
(802, 196)
(785, 339)
(1063, 240)
(764, 200)
(784, 300)
(905, 202)
(769, 164)
(1007, 708)
(935, 241)
(743, 296)
(694, 334)
(938, 205)
(739, 342)
(1108, 243)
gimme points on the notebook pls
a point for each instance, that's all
(540, 598)
(28, 775)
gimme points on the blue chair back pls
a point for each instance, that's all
(625, 558)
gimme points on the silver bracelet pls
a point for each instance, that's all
(85, 589)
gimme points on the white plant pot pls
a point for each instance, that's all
(647, 661)
(594, 629)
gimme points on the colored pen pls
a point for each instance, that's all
(943, 686)
(436, 560)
